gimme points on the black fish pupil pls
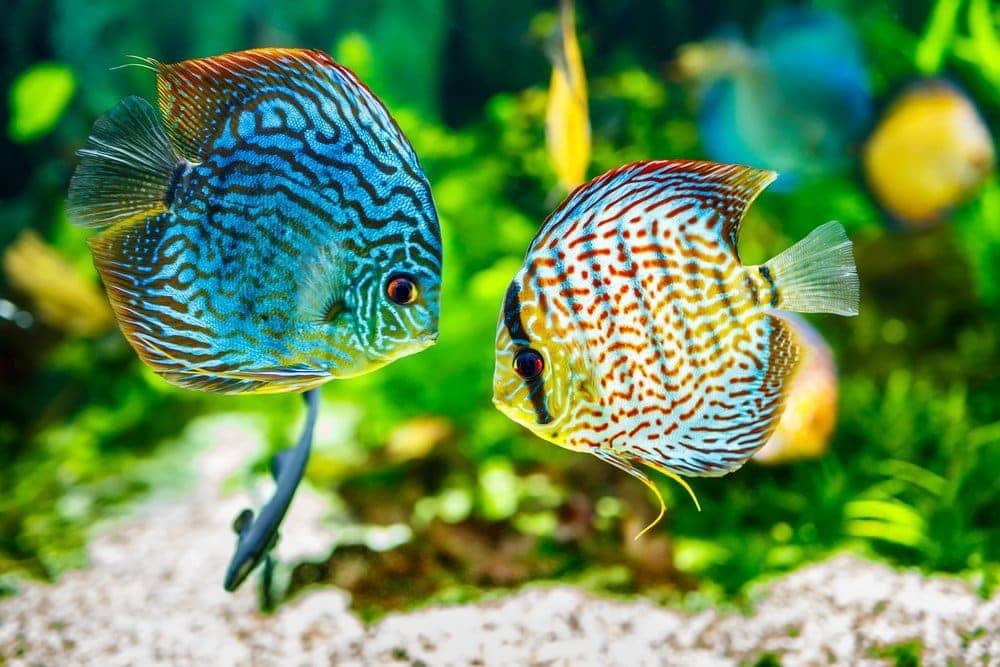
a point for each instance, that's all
(402, 290)
(528, 364)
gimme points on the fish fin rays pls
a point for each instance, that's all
(783, 354)
(624, 465)
(127, 169)
(195, 95)
(817, 274)
(160, 322)
(213, 376)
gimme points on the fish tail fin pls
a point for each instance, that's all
(816, 275)
(128, 169)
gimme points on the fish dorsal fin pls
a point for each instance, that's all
(712, 195)
(197, 95)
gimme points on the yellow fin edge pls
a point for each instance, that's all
(659, 497)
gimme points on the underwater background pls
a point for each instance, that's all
(900, 455)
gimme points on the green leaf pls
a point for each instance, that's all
(940, 33)
(38, 99)
(985, 38)
(355, 52)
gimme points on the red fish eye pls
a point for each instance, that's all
(528, 364)
(402, 290)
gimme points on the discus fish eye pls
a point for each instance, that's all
(529, 364)
(402, 289)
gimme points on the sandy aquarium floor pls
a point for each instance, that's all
(152, 595)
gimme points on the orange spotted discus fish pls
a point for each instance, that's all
(634, 332)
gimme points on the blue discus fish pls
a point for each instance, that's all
(796, 100)
(268, 230)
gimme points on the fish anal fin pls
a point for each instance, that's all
(756, 402)
(782, 362)
(195, 96)
(783, 355)
(212, 376)
(136, 276)
(127, 170)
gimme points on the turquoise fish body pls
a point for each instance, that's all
(273, 231)
(797, 103)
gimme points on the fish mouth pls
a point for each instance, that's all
(400, 350)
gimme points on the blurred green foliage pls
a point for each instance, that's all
(38, 98)
(912, 475)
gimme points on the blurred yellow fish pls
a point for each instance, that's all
(703, 61)
(810, 414)
(930, 153)
(567, 123)
(62, 298)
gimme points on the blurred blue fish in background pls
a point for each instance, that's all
(796, 100)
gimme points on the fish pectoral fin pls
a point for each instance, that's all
(816, 275)
(195, 95)
(127, 170)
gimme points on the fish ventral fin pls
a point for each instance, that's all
(128, 170)
(817, 274)
(196, 96)
(622, 464)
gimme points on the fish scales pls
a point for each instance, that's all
(635, 332)
(293, 190)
